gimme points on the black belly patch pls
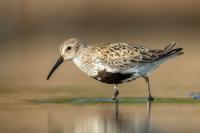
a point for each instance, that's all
(112, 78)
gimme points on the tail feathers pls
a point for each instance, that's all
(169, 52)
(169, 47)
(175, 52)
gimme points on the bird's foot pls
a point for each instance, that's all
(115, 95)
(150, 98)
(114, 98)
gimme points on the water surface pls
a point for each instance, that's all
(100, 117)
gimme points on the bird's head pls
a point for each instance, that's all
(68, 50)
(70, 47)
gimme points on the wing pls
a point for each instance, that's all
(122, 56)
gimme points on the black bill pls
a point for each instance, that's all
(59, 61)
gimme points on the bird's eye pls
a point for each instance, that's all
(69, 48)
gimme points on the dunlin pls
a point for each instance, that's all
(115, 63)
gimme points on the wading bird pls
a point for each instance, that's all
(115, 63)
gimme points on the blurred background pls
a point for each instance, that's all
(31, 32)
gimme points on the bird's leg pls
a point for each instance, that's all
(116, 92)
(150, 98)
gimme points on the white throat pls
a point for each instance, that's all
(77, 61)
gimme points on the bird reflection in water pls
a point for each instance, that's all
(114, 121)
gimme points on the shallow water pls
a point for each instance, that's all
(104, 117)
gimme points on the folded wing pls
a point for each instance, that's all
(122, 56)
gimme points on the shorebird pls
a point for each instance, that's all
(115, 63)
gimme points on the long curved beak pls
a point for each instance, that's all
(59, 61)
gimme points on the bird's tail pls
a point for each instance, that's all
(169, 52)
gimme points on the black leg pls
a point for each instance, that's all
(116, 92)
(150, 98)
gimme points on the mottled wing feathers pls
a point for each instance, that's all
(124, 56)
